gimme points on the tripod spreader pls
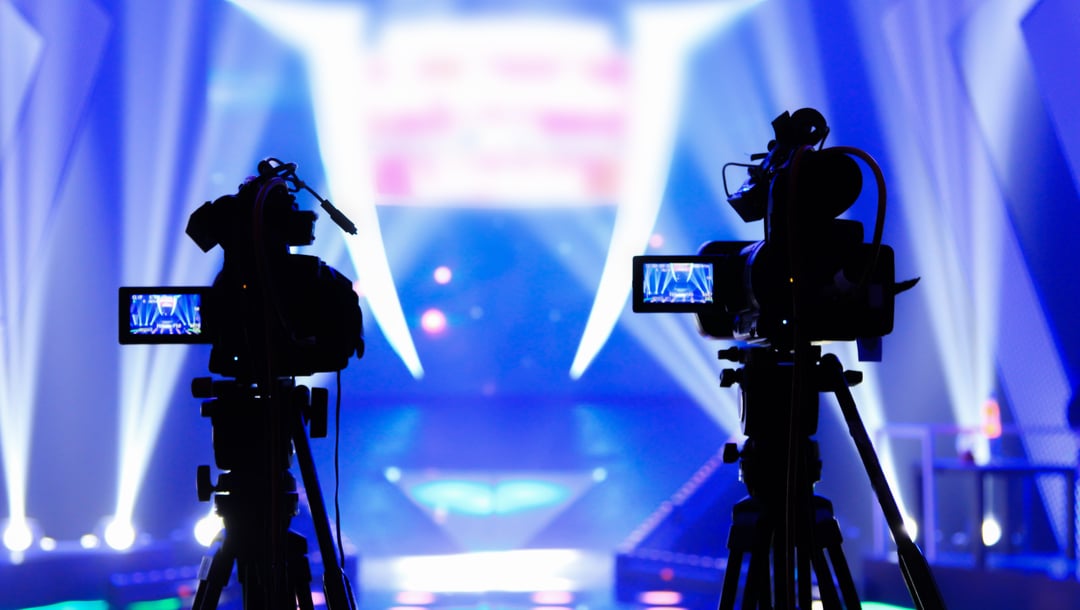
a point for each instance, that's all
(788, 533)
(256, 434)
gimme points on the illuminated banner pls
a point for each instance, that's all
(497, 113)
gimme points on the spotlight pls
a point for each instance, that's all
(17, 536)
(89, 541)
(912, 527)
(207, 528)
(991, 531)
(119, 535)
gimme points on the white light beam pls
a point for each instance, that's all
(661, 38)
(331, 38)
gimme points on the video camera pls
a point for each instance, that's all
(813, 274)
(269, 310)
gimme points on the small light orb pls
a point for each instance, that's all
(443, 275)
(433, 321)
(991, 531)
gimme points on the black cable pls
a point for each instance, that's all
(337, 494)
(337, 478)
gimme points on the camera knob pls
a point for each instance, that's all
(853, 378)
(731, 453)
(729, 377)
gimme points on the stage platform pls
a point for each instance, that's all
(164, 577)
(965, 587)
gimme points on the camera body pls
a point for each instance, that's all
(269, 311)
(308, 322)
(813, 272)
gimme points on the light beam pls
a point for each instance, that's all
(158, 45)
(954, 202)
(162, 183)
(50, 67)
(661, 36)
(332, 38)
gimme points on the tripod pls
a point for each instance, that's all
(782, 520)
(255, 435)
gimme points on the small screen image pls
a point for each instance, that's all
(678, 282)
(162, 315)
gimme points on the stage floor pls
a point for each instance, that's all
(537, 579)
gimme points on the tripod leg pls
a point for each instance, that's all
(756, 591)
(212, 578)
(759, 581)
(338, 594)
(300, 571)
(843, 576)
(731, 579)
(783, 572)
(829, 540)
(826, 587)
(805, 581)
(806, 548)
(913, 566)
(741, 540)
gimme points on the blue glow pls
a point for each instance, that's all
(481, 499)
(332, 38)
(982, 150)
(119, 117)
(662, 37)
(40, 121)
(164, 140)
(460, 497)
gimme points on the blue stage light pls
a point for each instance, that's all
(17, 536)
(332, 38)
(959, 141)
(661, 37)
(50, 53)
(119, 535)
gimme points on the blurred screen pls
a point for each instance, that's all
(489, 112)
(162, 315)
